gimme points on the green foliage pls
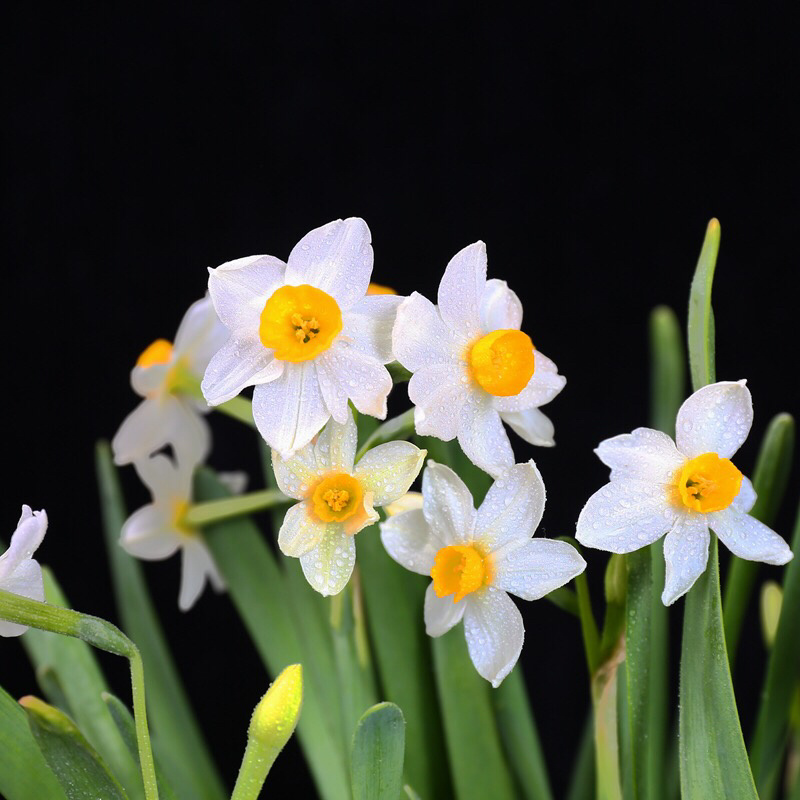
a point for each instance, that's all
(377, 754)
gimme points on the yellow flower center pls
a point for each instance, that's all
(460, 569)
(337, 497)
(299, 322)
(159, 352)
(708, 483)
(180, 507)
(377, 288)
(502, 362)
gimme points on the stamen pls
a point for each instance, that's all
(336, 499)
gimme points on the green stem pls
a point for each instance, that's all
(591, 637)
(103, 635)
(213, 511)
(239, 408)
(399, 427)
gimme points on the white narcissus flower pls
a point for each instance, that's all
(657, 487)
(473, 369)
(19, 572)
(157, 530)
(305, 334)
(476, 557)
(338, 498)
(167, 375)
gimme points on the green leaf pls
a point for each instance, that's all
(582, 782)
(667, 369)
(520, 738)
(258, 590)
(701, 319)
(770, 479)
(377, 756)
(400, 427)
(477, 764)
(75, 763)
(182, 747)
(24, 774)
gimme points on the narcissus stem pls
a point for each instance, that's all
(213, 511)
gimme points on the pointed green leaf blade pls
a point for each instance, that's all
(701, 319)
(378, 750)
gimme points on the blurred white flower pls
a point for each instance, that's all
(473, 369)
(338, 499)
(19, 572)
(167, 376)
(657, 487)
(476, 557)
(305, 334)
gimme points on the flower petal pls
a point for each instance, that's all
(715, 419)
(297, 475)
(364, 517)
(237, 364)
(512, 508)
(420, 337)
(482, 436)
(150, 380)
(329, 565)
(200, 335)
(438, 391)
(368, 326)
(336, 446)
(531, 425)
(536, 568)
(544, 385)
(441, 613)
(196, 567)
(746, 499)
(25, 540)
(461, 290)
(500, 308)
(748, 538)
(388, 470)
(645, 454)
(494, 630)
(624, 516)
(290, 411)
(301, 530)
(362, 379)
(409, 540)
(686, 556)
(166, 480)
(25, 580)
(240, 288)
(447, 505)
(336, 258)
(148, 534)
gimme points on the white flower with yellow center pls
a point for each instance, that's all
(338, 498)
(167, 376)
(19, 572)
(659, 488)
(305, 334)
(156, 531)
(476, 557)
(473, 368)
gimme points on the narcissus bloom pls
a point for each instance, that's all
(19, 572)
(304, 334)
(338, 499)
(476, 557)
(682, 488)
(158, 530)
(168, 376)
(473, 368)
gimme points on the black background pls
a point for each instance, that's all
(588, 148)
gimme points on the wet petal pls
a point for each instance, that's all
(369, 323)
(500, 308)
(536, 568)
(686, 556)
(645, 454)
(441, 613)
(329, 565)
(237, 364)
(746, 499)
(748, 538)
(388, 470)
(482, 436)
(300, 531)
(543, 386)
(420, 337)
(362, 379)
(531, 425)
(409, 540)
(336, 446)
(461, 290)
(448, 505)
(438, 391)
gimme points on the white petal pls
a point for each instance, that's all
(544, 385)
(388, 470)
(336, 446)
(240, 289)
(197, 566)
(420, 337)
(329, 565)
(149, 534)
(369, 323)
(438, 392)
(25, 580)
(301, 530)
(536, 568)
(234, 481)
(297, 475)
(746, 499)
(645, 454)
(441, 613)
(333, 394)
(715, 419)
(168, 481)
(624, 516)
(362, 379)
(150, 380)
(748, 538)
(447, 505)
(461, 290)
(686, 556)
(494, 630)
(237, 364)
(512, 508)
(500, 308)
(25, 540)
(336, 258)
(482, 436)
(531, 425)
(199, 324)
(290, 411)
(409, 540)
(410, 501)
